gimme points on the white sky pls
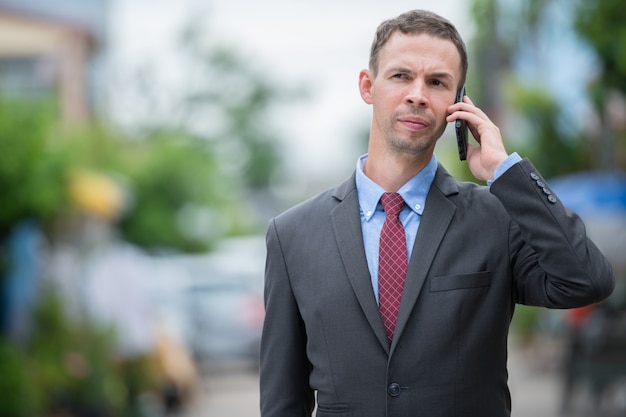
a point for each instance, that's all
(323, 43)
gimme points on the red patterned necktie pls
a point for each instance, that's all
(392, 261)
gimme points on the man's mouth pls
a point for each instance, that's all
(413, 123)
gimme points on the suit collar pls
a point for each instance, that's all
(345, 188)
(445, 182)
(436, 219)
(346, 222)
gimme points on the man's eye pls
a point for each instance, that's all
(438, 83)
(400, 76)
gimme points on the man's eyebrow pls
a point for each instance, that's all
(442, 75)
(398, 70)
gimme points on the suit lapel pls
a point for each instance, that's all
(436, 218)
(346, 222)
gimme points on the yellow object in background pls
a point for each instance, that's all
(97, 194)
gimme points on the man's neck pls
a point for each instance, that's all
(392, 171)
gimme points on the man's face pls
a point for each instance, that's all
(417, 79)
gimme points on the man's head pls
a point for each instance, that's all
(417, 64)
(417, 22)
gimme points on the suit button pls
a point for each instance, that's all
(393, 389)
(534, 176)
(552, 199)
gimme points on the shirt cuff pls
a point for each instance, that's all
(511, 160)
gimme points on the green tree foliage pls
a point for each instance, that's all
(160, 174)
(506, 30)
(69, 367)
(73, 363)
(178, 194)
(32, 164)
(19, 392)
(558, 151)
(183, 199)
(185, 177)
(602, 23)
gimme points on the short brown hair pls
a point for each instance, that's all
(416, 22)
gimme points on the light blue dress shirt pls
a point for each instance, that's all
(414, 193)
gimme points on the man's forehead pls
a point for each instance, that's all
(410, 49)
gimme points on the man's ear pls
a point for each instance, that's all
(365, 85)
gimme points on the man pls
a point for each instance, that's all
(333, 337)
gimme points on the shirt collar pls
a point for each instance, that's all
(414, 191)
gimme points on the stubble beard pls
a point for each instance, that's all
(414, 144)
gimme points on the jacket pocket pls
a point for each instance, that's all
(334, 410)
(459, 282)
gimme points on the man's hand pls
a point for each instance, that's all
(485, 158)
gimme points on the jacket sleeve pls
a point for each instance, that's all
(554, 264)
(284, 367)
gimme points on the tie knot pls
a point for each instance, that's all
(392, 203)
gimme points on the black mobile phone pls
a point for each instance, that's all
(461, 129)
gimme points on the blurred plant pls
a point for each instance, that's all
(73, 363)
(69, 367)
(32, 165)
(592, 21)
(554, 148)
(525, 323)
(20, 395)
(514, 34)
(168, 189)
(182, 199)
(602, 23)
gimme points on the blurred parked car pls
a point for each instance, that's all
(227, 318)
(216, 299)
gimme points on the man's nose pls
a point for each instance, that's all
(416, 94)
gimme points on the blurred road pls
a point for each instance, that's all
(534, 380)
(229, 390)
(232, 390)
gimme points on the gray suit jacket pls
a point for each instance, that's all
(478, 252)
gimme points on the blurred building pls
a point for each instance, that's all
(53, 49)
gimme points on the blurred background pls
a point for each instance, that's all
(144, 145)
